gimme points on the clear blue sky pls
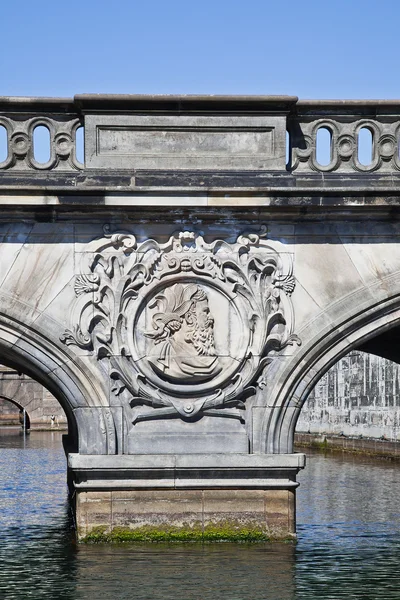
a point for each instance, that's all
(310, 48)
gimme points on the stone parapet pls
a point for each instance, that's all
(137, 143)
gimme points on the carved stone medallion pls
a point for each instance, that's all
(182, 334)
(187, 326)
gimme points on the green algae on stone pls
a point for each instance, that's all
(210, 533)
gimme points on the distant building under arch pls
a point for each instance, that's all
(18, 391)
(358, 396)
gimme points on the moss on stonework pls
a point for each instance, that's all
(210, 533)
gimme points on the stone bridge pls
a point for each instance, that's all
(181, 290)
(18, 392)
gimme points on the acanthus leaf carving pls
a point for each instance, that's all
(188, 326)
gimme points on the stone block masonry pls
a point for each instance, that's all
(19, 392)
(190, 515)
(193, 497)
(358, 396)
(182, 291)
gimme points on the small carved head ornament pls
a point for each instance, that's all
(174, 303)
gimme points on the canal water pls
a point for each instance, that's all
(348, 540)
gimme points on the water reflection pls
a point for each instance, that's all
(226, 571)
(349, 529)
(349, 540)
(37, 556)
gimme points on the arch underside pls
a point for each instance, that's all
(26, 348)
(27, 419)
(29, 395)
(372, 327)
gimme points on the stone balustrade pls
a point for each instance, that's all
(136, 142)
(345, 121)
(20, 117)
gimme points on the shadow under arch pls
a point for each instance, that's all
(367, 330)
(20, 408)
(28, 349)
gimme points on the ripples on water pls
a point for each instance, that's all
(348, 527)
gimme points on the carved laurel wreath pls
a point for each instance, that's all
(117, 281)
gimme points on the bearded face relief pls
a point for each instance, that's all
(182, 334)
(185, 327)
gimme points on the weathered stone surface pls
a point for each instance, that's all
(374, 447)
(19, 392)
(185, 142)
(189, 514)
(358, 396)
(182, 291)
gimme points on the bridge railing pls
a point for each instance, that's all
(174, 134)
(21, 119)
(344, 137)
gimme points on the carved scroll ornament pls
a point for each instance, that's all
(187, 326)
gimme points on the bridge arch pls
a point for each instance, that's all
(32, 348)
(366, 328)
(20, 408)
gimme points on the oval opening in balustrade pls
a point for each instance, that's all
(365, 146)
(323, 147)
(41, 144)
(288, 160)
(80, 145)
(3, 144)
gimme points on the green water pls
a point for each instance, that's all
(348, 545)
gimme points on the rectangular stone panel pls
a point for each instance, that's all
(227, 512)
(93, 510)
(157, 508)
(185, 142)
(174, 436)
(279, 510)
(239, 508)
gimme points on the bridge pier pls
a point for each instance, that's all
(187, 497)
(182, 290)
